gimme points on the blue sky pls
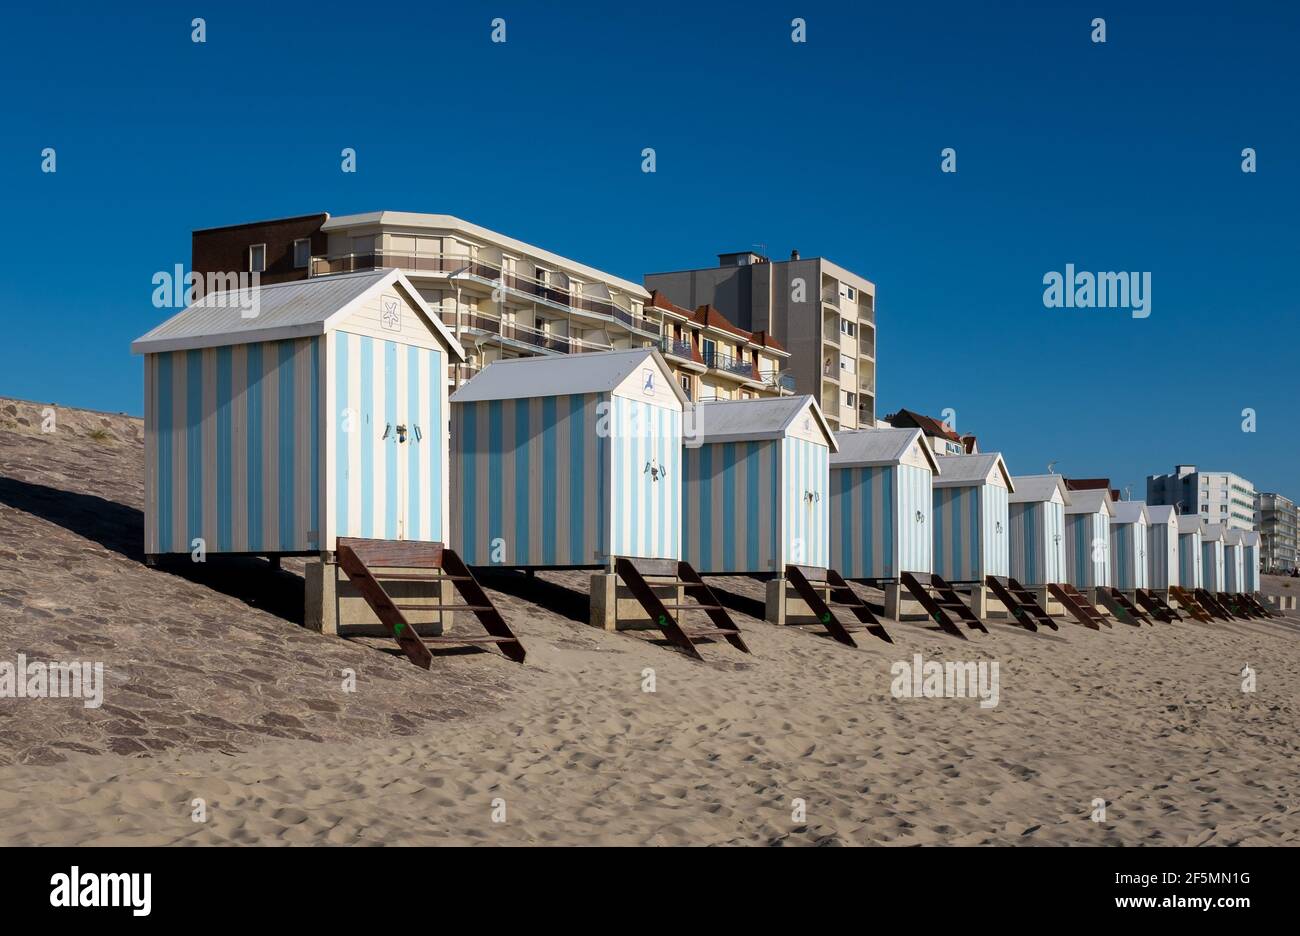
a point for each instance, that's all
(1122, 156)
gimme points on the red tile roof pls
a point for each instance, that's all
(767, 341)
(906, 419)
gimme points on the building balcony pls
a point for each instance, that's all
(831, 296)
(725, 364)
(527, 337)
(490, 275)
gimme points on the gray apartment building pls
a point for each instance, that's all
(1278, 521)
(1215, 496)
(821, 313)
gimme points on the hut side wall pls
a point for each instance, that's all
(1037, 542)
(380, 487)
(1189, 561)
(232, 436)
(531, 481)
(875, 530)
(959, 553)
(729, 507)
(805, 505)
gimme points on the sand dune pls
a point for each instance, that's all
(1151, 720)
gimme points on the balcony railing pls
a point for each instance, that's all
(681, 349)
(458, 263)
(729, 365)
(831, 296)
(561, 344)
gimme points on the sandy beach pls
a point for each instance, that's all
(214, 693)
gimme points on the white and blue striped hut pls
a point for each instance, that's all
(1250, 540)
(1189, 552)
(1087, 539)
(1162, 547)
(881, 502)
(568, 461)
(1234, 566)
(755, 486)
(1212, 566)
(970, 517)
(1037, 522)
(282, 417)
(1128, 545)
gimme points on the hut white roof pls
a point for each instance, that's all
(1211, 532)
(1188, 524)
(866, 448)
(972, 470)
(1036, 488)
(1160, 513)
(562, 375)
(1232, 538)
(1129, 512)
(1250, 538)
(1091, 501)
(299, 309)
(753, 420)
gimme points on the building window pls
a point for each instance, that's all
(301, 253)
(257, 258)
(849, 293)
(848, 328)
(685, 380)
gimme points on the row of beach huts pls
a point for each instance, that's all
(323, 426)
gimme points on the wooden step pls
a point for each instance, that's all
(441, 607)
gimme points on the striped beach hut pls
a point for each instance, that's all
(1128, 545)
(1212, 567)
(1162, 547)
(1036, 514)
(881, 502)
(568, 461)
(1234, 566)
(1087, 539)
(1189, 553)
(280, 417)
(1250, 541)
(970, 517)
(755, 486)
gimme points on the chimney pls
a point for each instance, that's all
(794, 255)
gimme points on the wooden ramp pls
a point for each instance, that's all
(809, 584)
(1020, 602)
(1156, 606)
(672, 572)
(1079, 607)
(361, 559)
(1123, 609)
(1234, 603)
(1187, 602)
(945, 606)
(1213, 605)
(1259, 607)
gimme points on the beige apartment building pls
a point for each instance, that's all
(503, 298)
(824, 315)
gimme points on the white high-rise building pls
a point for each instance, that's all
(1215, 496)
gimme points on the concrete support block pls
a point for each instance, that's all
(894, 601)
(334, 607)
(979, 600)
(1041, 595)
(775, 605)
(614, 608)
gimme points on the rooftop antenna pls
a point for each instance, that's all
(1051, 466)
(763, 251)
(1128, 492)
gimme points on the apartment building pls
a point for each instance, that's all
(502, 298)
(714, 359)
(824, 315)
(1278, 520)
(1215, 496)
